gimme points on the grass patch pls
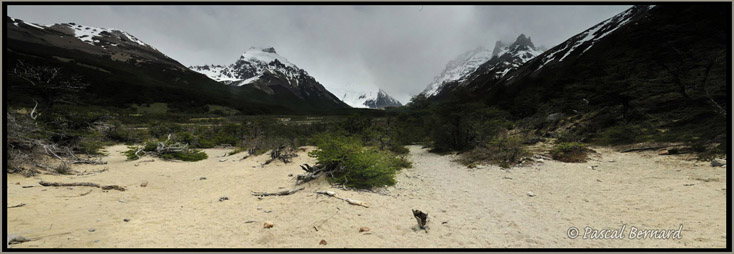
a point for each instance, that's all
(153, 108)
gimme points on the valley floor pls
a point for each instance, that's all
(484, 207)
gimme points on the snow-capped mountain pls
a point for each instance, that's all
(582, 42)
(503, 58)
(374, 98)
(250, 67)
(265, 69)
(118, 44)
(94, 36)
(123, 70)
(460, 68)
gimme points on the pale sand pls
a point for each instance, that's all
(482, 208)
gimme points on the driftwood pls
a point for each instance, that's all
(282, 153)
(282, 193)
(348, 200)
(18, 205)
(315, 171)
(643, 149)
(421, 218)
(250, 152)
(87, 184)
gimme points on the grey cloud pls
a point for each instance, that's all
(397, 48)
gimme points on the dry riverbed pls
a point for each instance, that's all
(177, 204)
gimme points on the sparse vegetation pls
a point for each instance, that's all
(503, 150)
(570, 152)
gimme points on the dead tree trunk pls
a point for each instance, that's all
(282, 193)
(282, 153)
(87, 184)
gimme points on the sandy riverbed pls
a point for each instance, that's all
(473, 208)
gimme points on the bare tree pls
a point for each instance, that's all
(691, 73)
(50, 83)
(28, 145)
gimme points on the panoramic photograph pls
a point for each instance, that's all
(361, 126)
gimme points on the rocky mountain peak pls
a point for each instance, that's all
(522, 41)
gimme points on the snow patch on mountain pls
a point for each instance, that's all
(369, 98)
(459, 68)
(88, 33)
(251, 65)
(502, 59)
(586, 39)
(265, 55)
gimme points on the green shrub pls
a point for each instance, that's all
(334, 148)
(150, 146)
(398, 149)
(504, 151)
(366, 169)
(401, 162)
(192, 155)
(130, 153)
(90, 145)
(360, 167)
(161, 130)
(570, 152)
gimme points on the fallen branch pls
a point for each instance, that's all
(18, 205)
(282, 193)
(643, 149)
(315, 171)
(281, 153)
(87, 184)
(348, 200)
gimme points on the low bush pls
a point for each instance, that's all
(504, 151)
(398, 149)
(130, 153)
(191, 155)
(151, 148)
(360, 167)
(90, 145)
(570, 152)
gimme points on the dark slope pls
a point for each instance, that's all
(127, 71)
(647, 74)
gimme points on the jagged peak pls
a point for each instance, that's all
(523, 40)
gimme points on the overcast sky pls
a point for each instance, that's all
(397, 48)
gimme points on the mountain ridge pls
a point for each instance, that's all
(124, 70)
(502, 59)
